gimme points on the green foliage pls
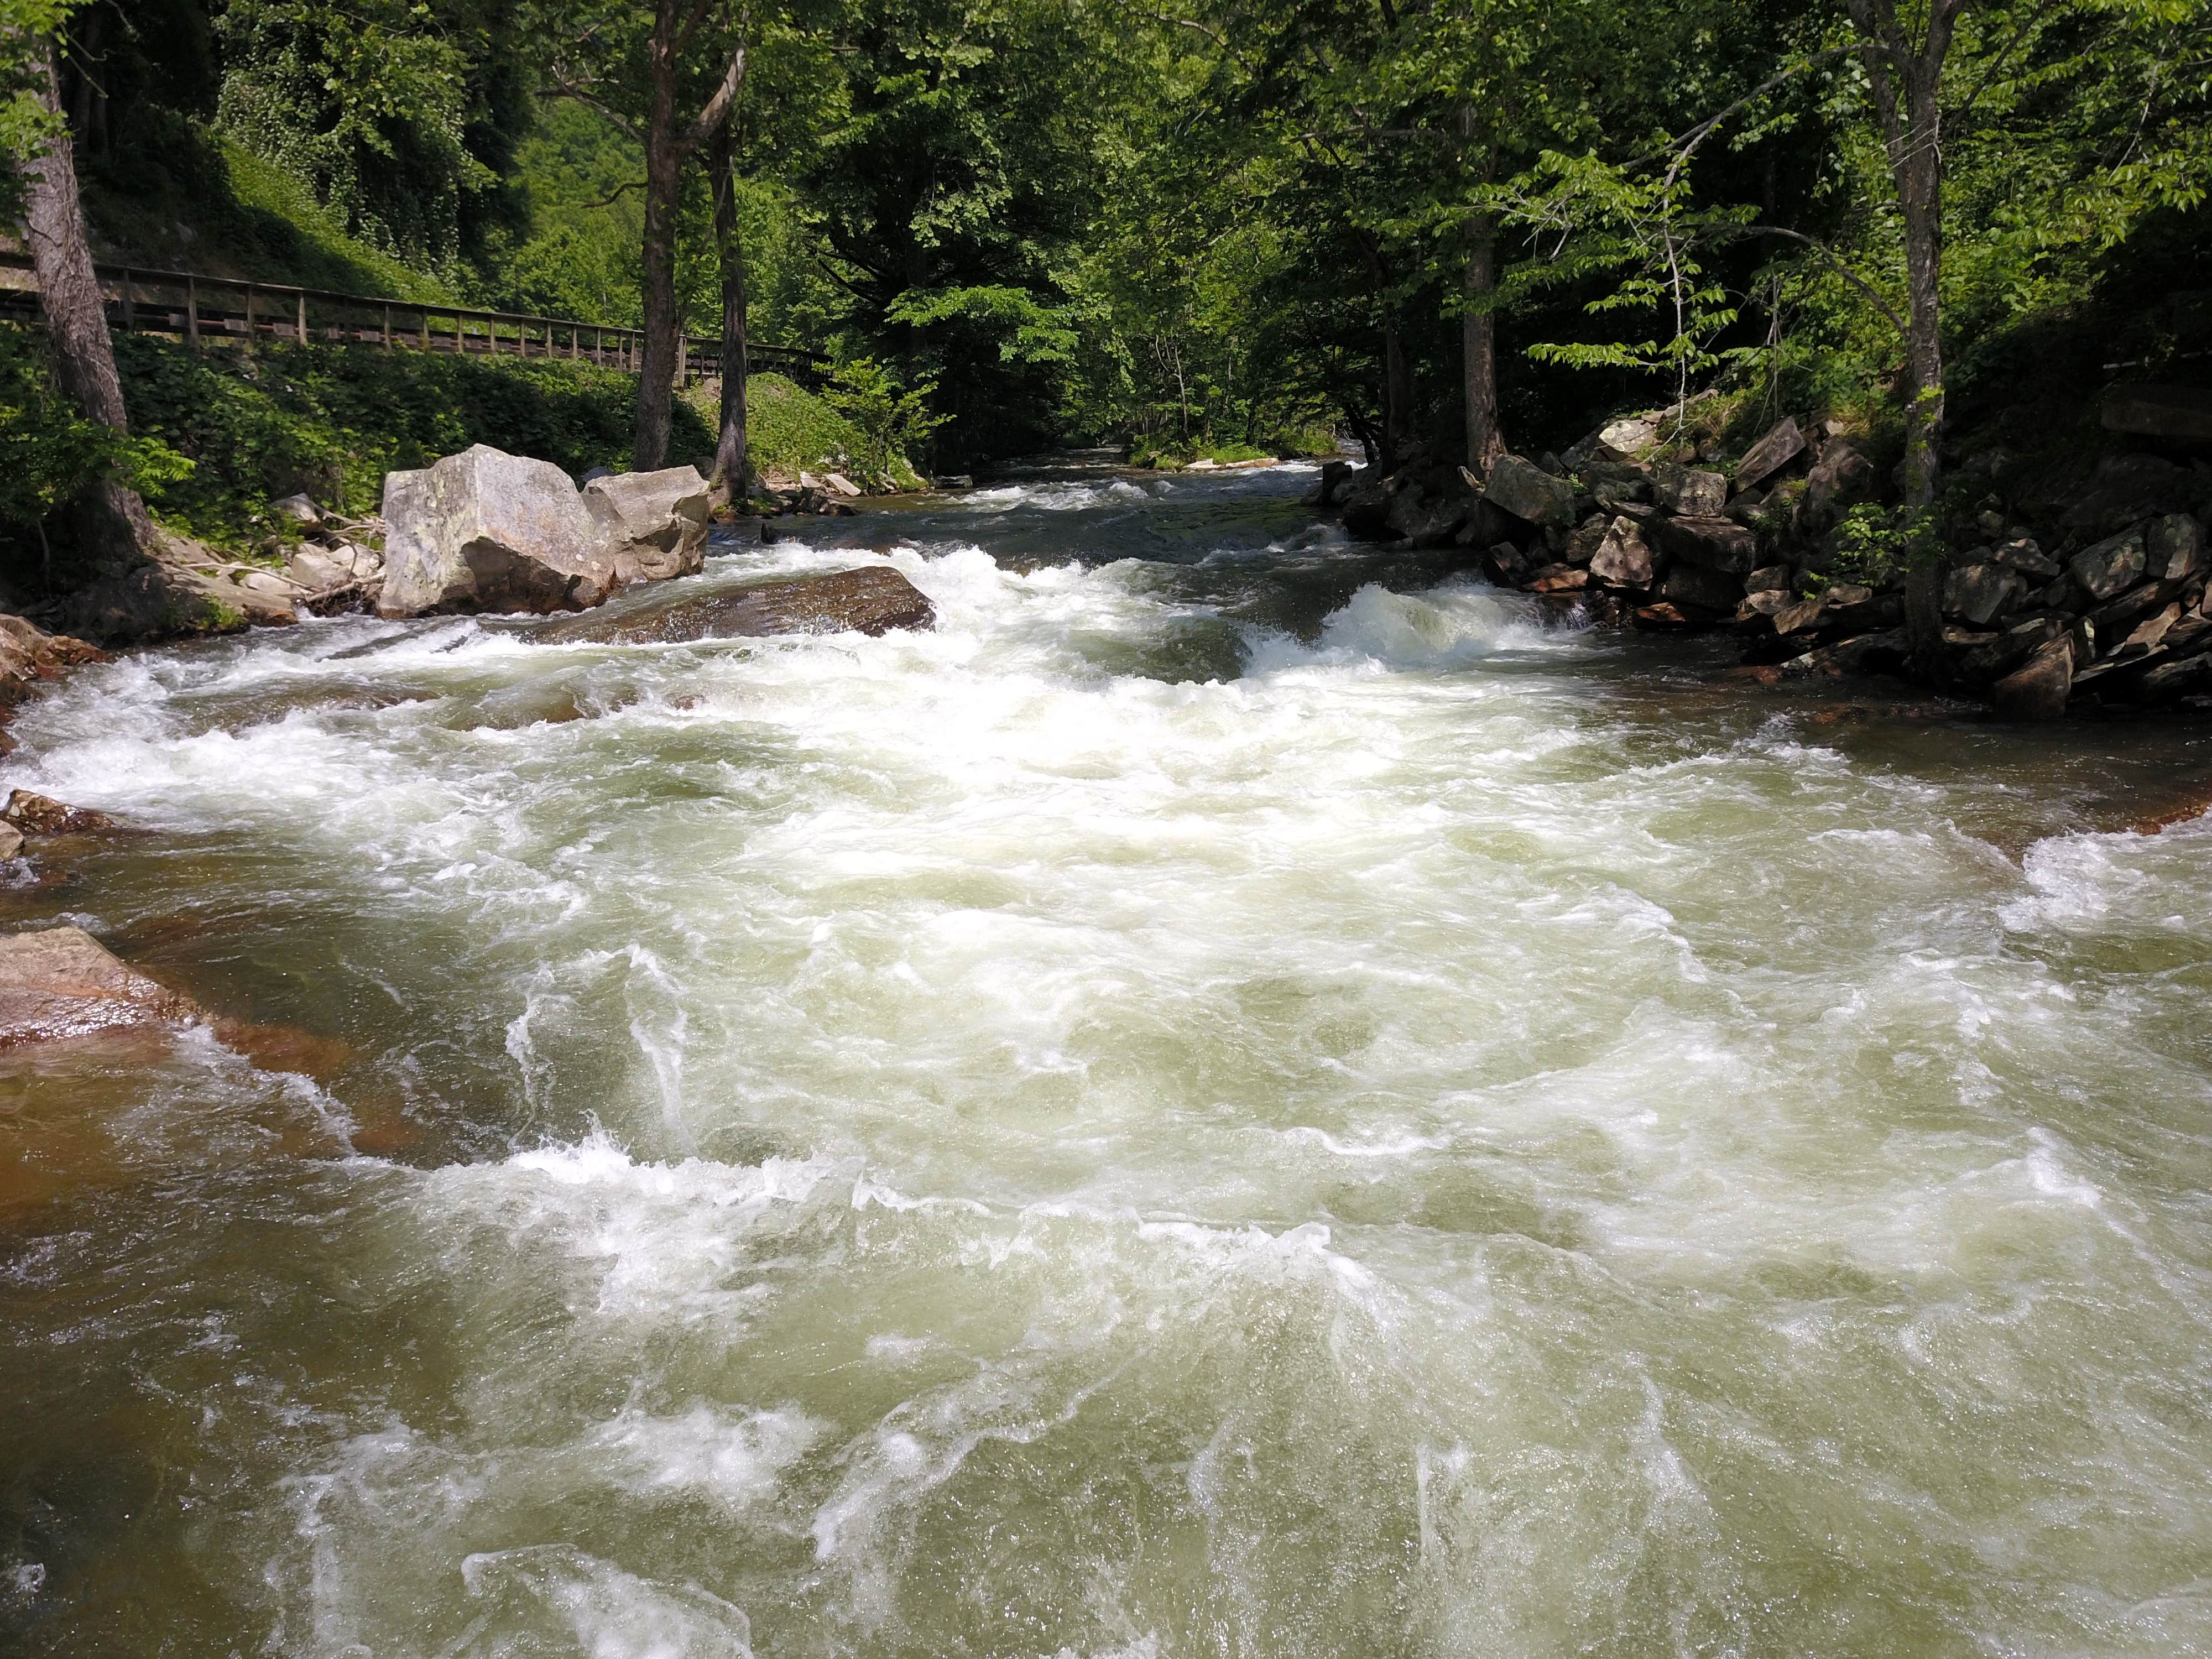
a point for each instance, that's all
(261, 423)
(888, 422)
(50, 453)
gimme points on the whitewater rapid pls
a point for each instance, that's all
(1208, 1105)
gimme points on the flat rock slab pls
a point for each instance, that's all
(873, 599)
(62, 982)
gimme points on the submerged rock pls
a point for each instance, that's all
(62, 982)
(873, 599)
(42, 815)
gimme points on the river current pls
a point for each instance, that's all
(1242, 1096)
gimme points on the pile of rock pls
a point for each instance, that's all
(2113, 613)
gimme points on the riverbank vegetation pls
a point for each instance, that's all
(1225, 228)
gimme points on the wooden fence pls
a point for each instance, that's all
(211, 311)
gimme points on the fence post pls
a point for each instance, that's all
(249, 314)
(683, 359)
(301, 331)
(193, 313)
(425, 330)
(387, 328)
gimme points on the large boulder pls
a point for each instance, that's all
(1841, 477)
(1701, 588)
(2159, 411)
(2037, 690)
(485, 530)
(1781, 445)
(1982, 592)
(1689, 490)
(1530, 493)
(1623, 558)
(62, 982)
(1716, 543)
(2112, 566)
(2175, 547)
(1423, 520)
(655, 522)
(2126, 489)
(873, 599)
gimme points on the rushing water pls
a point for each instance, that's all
(1239, 1097)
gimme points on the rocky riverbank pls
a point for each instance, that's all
(2104, 607)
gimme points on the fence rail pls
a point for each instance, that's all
(203, 311)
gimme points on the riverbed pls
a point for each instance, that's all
(1243, 1096)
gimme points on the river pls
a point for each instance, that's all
(1242, 1097)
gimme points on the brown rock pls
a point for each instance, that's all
(1770, 578)
(41, 815)
(2112, 566)
(873, 599)
(1558, 579)
(62, 983)
(1689, 491)
(2038, 688)
(1795, 618)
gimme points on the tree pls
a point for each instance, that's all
(1904, 74)
(654, 93)
(113, 524)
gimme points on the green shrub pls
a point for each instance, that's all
(262, 422)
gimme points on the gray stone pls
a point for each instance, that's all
(1623, 558)
(2022, 553)
(2159, 411)
(485, 530)
(1803, 614)
(2038, 689)
(1781, 445)
(1982, 592)
(1775, 576)
(61, 982)
(1715, 543)
(1688, 491)
(1530, 493)
(316, 569)
(2117, 562)
(1426, 521)
(1841, 477)
(2173, 547)
(2126, 489)
(1701, 587)
(873, 599)
(654, 524)
(1629, 439)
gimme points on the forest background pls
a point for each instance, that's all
(1221, 228)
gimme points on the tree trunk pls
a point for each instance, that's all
(730, 468)
(663, 176)
(1397, 391)
(111, 520)
(1478, 347)
(1920, 189)
(1906, 79)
